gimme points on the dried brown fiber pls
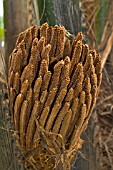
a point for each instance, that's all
(53, 86)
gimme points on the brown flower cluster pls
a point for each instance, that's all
(53, 85)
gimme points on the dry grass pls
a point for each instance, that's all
(104, 134)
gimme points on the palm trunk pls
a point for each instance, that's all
(15, 21)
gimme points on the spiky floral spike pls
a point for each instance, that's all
(10, 79)
(18, 61)
(61, 115)
(24, 87)
(94, 79)
(98, 71)
(78, 125)
(24, 52)
(60, 42)
(78, 89)
(35, 32)
(88, 63)
(56, 108)
(46, 80)
(12, 98)
(74, 76)
(74, 108)
(16, 83)
(37, 87)
(20, 38)
(41, 44)
(24, 115)
(32, 124)
(43, 68)
(53, 42)
(64, 77)
(28, 39)
(26, 73)
(45, 53)
(29, 97)
(35, 54)
(93, 52)
(56, 74)
(88, 102)
(43, 31)
(65, 125)
(52, 116)
(48, 103)
(80, 103)
(69, 95)
(67, 48)
(61, 95)
(97, 59)
(85, 51)
(94, 94)
(76, 55)
(17, 109)
(43, 98)
(77, 38)
(87, 85)
(49, 34)
(66, 69)
(53, 86)
(82, 98)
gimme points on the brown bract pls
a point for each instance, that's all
(53, 86)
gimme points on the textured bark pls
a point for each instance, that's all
(15, 21)
(68, 13)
